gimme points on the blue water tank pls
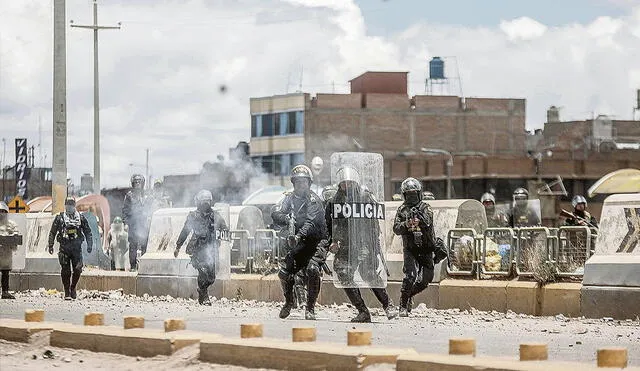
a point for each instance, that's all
(436, 69)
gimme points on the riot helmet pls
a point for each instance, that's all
(316, 165)
(3, 207)
(520, 197)
(428, 195)
(488, 201)
(137, 181)
(301, 178)
(203, 200)
(70, 205)
(411, 189)
(578, 199)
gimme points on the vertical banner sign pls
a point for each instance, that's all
(21, 167)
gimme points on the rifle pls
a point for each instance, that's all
(567, 214)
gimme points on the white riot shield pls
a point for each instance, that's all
(223, 242)
(357, 214)
(13, 241)
(525, 215)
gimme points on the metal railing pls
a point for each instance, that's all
(498, 251)
(535, 247)
(574, 248)
(462, 252)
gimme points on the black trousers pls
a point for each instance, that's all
(299, 258)
(136, 244)
(70, 259)
(204, 261)
(416, 277)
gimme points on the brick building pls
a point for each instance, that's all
(486, 138)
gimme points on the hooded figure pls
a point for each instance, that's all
(118, 243)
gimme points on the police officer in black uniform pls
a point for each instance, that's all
(307, 209)
(135, 214)
(414, 222)
(495, 219)
(208, 228)
(583, 217)
(70, 228)
(341, 243)
(521, 215)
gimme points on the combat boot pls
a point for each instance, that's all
(404, 301)
(203, 297)
(391, 312)
(362, 317)
(310, 315)
(5, 286)
(285, 311)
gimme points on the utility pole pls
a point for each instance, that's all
(96, 96)
(59, 159)
(148, 182)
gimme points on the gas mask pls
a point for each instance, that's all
(69, 209)
(204, 206)
(412, 198)
(3, 216)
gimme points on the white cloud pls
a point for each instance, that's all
(160, 75)
(523, 28)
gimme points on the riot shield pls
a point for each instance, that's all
(525, 215)
(13, 241)
(223, 242)
(357, 220)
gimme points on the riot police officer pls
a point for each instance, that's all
(10, 238)
(352, 238)
(208, 228)
(581, 216)
(135, 214)
(70, 228)
(414, 222)
(494, 217)
(159, 198)
(303, 209)
(521, 215)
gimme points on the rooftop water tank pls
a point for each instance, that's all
(436, 69)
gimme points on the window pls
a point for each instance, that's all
(299, 128)
(256, 126)
(297, 159)
(285, 164)
(284, 124)
(267, 125)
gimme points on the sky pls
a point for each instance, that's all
(161, 73)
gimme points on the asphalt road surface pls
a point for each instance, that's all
(426, 330)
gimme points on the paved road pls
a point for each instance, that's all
(427, 330)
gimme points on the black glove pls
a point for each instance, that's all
(89, 249)
(441, 251)
(292, 241)
(51, 249)
(176, 252)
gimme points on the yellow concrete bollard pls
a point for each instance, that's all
(533, 352)
(303, 334)
(34, 315)
(359, 337)
(174, 324)
(462, 346)
(251, 330)
(133, 322)
(94, 319)
(612, 357)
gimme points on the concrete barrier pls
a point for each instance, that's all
(279, 354)
(23, 332)
(131, 342)
(463, 363)
(611, 283)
